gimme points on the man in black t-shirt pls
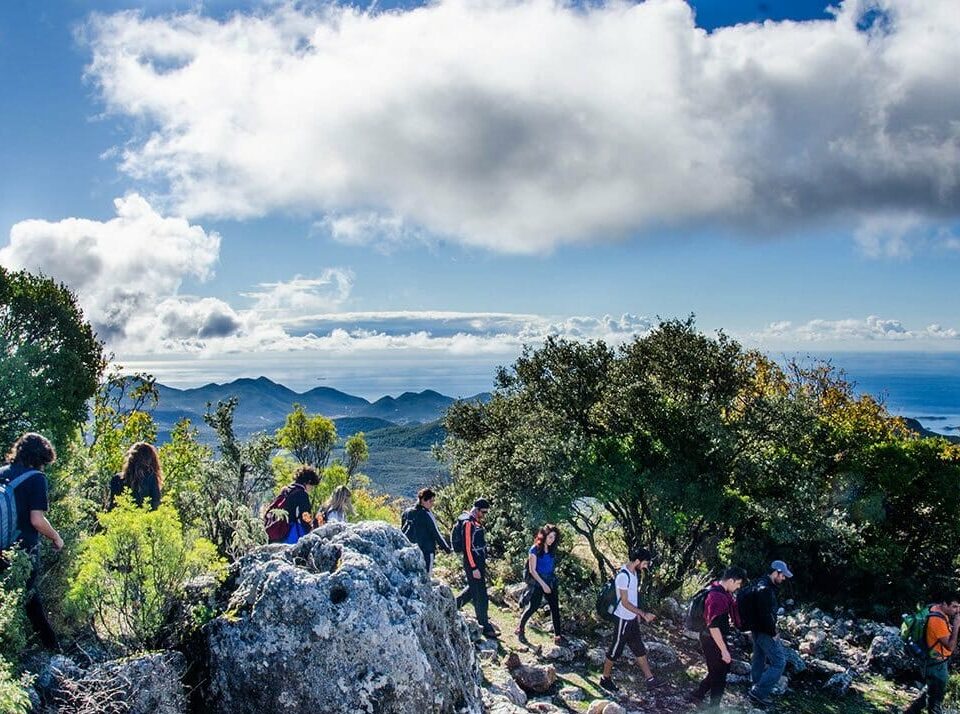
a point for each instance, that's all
(33, 452)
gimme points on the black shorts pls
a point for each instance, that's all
(628, 633)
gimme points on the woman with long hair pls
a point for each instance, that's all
(339, 506)
(541, 576)
(141, 474)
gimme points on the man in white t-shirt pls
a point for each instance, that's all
(629, 614)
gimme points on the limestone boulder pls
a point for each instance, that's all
(346, 620)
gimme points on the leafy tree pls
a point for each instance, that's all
(185, 461)
(50, 359)
(356, 451)
(309, 437)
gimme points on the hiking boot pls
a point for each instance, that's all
(491, 631)
(654, 683)
(607, 683)
(758, 701)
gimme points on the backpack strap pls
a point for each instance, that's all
(21, 478)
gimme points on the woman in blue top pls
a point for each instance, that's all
(542, 577)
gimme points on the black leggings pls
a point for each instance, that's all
(536, 599)
(716, 680)
(33, 606)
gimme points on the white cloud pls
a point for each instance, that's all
(852, 331)
(122, 269)
(521, 125)
(296, 298)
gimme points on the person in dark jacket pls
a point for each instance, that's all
(768, 657)
(141, 476)
(297, 503)
(719, 609)
(475, 564)
(542, 580)
(420, 527)
(32, 453)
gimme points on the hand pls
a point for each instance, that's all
(306, 518)
(546, 589)
(476, 573)
(725, 656)
(649, 617)
(58, 543)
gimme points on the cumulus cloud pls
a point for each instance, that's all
(519, 126)
(852, 331)
(294, 299)
(123, 268)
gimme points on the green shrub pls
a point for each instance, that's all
(13, 691)
(13, 622)
(129, 576)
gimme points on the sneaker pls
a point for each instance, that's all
(607, 683)
(559, 640)
(654, 683)
(490, 631)
(758, 700)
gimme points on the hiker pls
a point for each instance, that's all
(140, 475)
(542, 580)
(719, 608)
(24, 472)
(295, 500)
(940, 634)
(420, 526)
(338, 507)
(475, 563)
(759, 608)
(629, 614)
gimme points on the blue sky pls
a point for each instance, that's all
(404, 194)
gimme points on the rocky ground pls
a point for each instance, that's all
(837, 665)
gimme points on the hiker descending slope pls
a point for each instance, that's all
(628, 614)
(468, 538)
(758, 606)
(23, 505)
(938, 629)
(710, 616)
(541, 578)
(420, 526)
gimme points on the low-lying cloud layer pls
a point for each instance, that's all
(519, 126)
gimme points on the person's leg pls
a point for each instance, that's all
(701, 691)
(758, 660)
(717, 672)
(936, 687)
(635, 642)
(428, 558)
(533, 603)
(35, 612)
(465, 595)
(616, 647)
(553, 600)
(776, 660)
(480, 602)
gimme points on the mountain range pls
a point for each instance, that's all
(263, 406)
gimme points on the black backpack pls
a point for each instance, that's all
(696, 621)
(457, 536)
(748, 602)
(607, 599)
(407, 525)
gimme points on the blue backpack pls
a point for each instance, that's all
(9, 530)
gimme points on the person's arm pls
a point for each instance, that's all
(532, 567)
(721, 645)
(950, 642)
(38, 519)
(716, 606)
(625, 601)
(438, 536)
(468, 548)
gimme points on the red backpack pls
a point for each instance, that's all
(277, 525)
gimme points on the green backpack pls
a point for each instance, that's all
(913, 632)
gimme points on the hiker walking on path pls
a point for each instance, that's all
(759, 608)
(718, 609)
(420, 526)
(339, 507)
(542, 580)
(942, 626)
(629, 614)
(469, 539)
(141, 476)
(24, 475)
(295, 500)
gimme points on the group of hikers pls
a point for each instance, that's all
(727, 602)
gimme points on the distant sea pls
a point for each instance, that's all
(921, 385)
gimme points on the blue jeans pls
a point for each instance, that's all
(767, 664)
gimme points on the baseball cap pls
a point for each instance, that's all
(781, 567)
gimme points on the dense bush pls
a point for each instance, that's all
(129, 575)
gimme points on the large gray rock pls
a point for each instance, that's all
(888, 657)
(344, 621)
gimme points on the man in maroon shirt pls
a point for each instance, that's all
(718, 611)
